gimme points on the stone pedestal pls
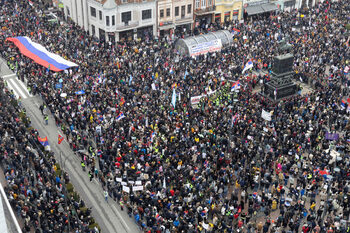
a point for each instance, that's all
(281, 85)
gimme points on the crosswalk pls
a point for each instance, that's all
(17, 86)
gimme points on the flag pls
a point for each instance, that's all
(173, 98)
(130, 79)
(234, 119)
(153, 134)
(99, 79)
(102, 140)
(60, 139)
(248, 66)
(81, 92)
(164, 183)
(30, 3)
(120, 116)
(43, 141)
(185, 75)
(343, 103)
(235, 86)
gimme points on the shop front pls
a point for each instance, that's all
(254, 10)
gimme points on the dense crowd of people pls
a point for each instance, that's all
(34, 189)
(217, 166)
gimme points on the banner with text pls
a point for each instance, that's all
(205, 47)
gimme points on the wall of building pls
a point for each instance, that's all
(228, 7)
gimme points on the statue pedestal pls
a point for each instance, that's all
(281, 84)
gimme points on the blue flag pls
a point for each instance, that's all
(173, 98)
(81, 92)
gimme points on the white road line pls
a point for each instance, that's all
(120, 217)
(24, 87)
(9, 75)
(13, 89)
(12, 81)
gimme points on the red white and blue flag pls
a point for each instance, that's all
(248, 66)
(120, 116)
(235, 86)
(40, 54)
(43, 141)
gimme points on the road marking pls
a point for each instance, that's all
(120, 217)
(12, 81)
(13, 89)
(9, 75)
(24, 87)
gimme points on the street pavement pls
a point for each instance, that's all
(107, 214)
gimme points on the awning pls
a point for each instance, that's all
(269, 7)
(254, 10)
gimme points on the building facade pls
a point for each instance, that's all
(227, 10)
(114, 20)
(204, 11)
(174, 15)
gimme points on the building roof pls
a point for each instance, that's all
(108, 4)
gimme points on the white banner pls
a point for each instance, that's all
(205, 47)
(137, 188)
(266, 115)
(195, 99)
(126, 189)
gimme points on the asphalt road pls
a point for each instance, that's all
(107, 214)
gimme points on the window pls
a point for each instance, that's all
(197, 4)
(177, 11)
(146, 14)
(183, 11)
(168, 12)
(107, 20)
(204, 2)
(189, 8)
(210, 3)
(100, 13)
(124, 1)
(161, 13)
(93, 11)
(93, 30)
(113, 20)
(68, 12)
(126, 17)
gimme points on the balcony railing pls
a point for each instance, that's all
(128, 25)
(202, 11)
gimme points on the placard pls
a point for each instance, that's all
(126, 189)
(137, 188)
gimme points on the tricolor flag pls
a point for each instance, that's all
(153, 134)
(234, 119)
(40, 54)
(248, 66)
(235, 86)
(120, 116)
(30, 3)
(43, 141)
(343, 103)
